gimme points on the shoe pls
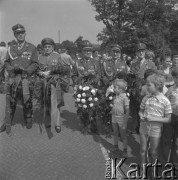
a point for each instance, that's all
(58, 129)
(8, 129)
(48, 126)
(2, 128)
(29, 124)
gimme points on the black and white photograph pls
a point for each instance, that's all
(88, 89)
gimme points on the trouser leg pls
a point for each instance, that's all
(28, 112)
(55, 111)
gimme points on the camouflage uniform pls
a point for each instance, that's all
(20, 65)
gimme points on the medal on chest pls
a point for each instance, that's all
(54, 62)
(26, 55)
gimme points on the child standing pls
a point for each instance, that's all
(120, 113)
(155, 110)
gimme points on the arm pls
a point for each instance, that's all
(165, 119)
(75, 74)
(7, 65)
(126, 117)
(126, 107)
(167, 114)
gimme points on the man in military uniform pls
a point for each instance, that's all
(87, 69)
(86, 66)
(138, 69)
(112, 67)
(21, 64)
(56, 79)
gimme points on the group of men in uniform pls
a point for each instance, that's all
(25, 68)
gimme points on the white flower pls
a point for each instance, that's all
(90, 98)
(84, 106)
(111, 105)
(87, 87)
(110, 97)
(83, 94)
(79, 96)
(78, 100)
(91, 104)
(80, 87)
(93, 91)
(83, 100)
(96, 99)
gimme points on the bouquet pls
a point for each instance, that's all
(105, 106)
(86, 100)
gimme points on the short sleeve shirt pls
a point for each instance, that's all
(156, 106)
(121, 102)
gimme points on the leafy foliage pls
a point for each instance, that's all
(128, 22)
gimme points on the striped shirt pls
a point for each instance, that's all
(156, 106)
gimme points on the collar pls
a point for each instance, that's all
(157, 97)
(20, 45)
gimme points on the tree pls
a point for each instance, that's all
(128, 22)
(69, 46)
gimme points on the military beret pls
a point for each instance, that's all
(47, 41)
(87, 48)
(141, 46)
(18, 28)
(116, 48)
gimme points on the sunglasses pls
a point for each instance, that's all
(20, 32)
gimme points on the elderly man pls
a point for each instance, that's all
(56, 75)
(85, 66)
(87, 70)
(113, 66)
(21, 64)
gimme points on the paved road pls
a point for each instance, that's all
(40, 154)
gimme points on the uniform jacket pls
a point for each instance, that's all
(84, 68)
(139, 70)
(111, 68)
(26, 58)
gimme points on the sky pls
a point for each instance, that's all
(45, 18)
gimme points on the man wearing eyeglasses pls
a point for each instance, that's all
(21, 64)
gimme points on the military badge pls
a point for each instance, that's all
(54, 62)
